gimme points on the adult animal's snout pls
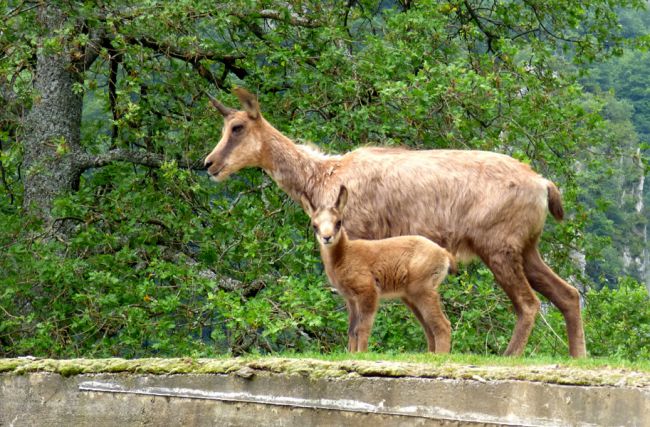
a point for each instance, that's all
(207, 164)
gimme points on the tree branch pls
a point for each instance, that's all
(99, 39)
(228, 284)
(194, 58)
(207, 74)
(120, 155)
(174, 52)
(290, 18)
(138, 157)
(4, 179)
(543, 27)
(7, 91)
(477, 20)
(20, 9)
(114, 63)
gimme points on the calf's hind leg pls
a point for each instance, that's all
(432, 317)
(428, 331)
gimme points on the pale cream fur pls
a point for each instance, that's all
(473, 203)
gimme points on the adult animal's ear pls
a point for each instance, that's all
(248, 102)
(342, 199)
(307, 205)
(219, 106)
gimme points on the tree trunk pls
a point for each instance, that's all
(53, 126)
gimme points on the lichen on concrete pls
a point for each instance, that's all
(247, 367)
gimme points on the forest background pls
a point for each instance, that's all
(113, 241)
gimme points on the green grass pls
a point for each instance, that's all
(597, 372)
(479, 360)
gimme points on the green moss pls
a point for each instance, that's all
(339, 367)
(10, 365)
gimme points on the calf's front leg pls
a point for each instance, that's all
(353, 319)
(367, 306)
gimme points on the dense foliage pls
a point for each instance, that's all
(139, 254)
(615, 187)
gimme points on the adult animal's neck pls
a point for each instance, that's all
(295, 168)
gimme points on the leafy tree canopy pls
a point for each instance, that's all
(114, 243)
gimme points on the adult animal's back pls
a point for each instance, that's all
(462, 200)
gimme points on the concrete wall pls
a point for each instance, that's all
(263, 398)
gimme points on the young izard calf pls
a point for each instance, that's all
(406, 267)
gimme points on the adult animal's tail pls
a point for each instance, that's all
(453, 268)
(555, 201)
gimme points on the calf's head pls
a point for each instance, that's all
(327, 221)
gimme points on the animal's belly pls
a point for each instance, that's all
(391, 294)
(465, 256)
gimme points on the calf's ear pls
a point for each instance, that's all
(342, 198)
(307, 205)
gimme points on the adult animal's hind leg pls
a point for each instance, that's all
(564, 296)
(508, 270)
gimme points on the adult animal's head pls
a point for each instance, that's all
(242, 137)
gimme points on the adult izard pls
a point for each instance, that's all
(473, 203)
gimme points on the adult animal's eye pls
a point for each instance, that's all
(237, 128)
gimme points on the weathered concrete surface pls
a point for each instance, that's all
(251, 396)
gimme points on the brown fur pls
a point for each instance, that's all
(473, 203)
(555, 202)
(406, 267)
